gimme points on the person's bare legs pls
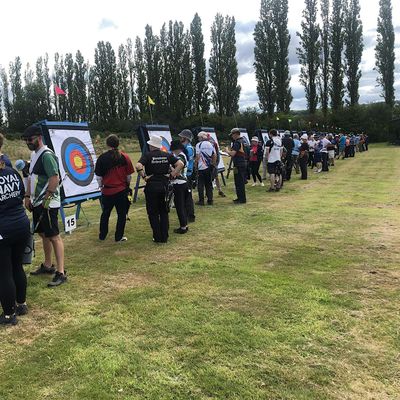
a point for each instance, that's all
(47, 248)
(58, 247)
(272, 180)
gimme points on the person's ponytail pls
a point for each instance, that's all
(112, 141)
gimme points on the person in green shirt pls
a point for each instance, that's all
(42, 198)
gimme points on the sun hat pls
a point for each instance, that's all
(187, 134)
(255, 139)
(202, 135)
(234, 130)
(287, 133)
(155, 141)
(304, 136)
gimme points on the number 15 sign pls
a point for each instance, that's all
(70, 223)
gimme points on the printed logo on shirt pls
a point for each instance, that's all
(10, 187)
(159, 160)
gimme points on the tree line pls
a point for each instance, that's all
(169, 67)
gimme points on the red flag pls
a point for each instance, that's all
(59, 91)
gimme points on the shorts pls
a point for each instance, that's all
(331, 153)
(341, 149)
(46, 221)
(274, 168)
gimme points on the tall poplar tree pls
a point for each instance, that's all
(309, 52)
(80, 85)
(265, 58)
(131, 71)
(123, 83)
(384, 52)
(324, 75)
(282, 76)
(5, 86)
(336, 63)
(353, 51)
(200, 86)
(141, 85)
(223, 71)
(70, 86)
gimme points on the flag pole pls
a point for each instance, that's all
(151, 114)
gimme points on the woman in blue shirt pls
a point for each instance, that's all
(296, 152)
(14, 235)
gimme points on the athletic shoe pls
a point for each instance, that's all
(221, 193)
(123, 239)
(237, 201)
(8, 319)
(271, 190)
(200, 203)
(210, 203)
(254, 184)
(21, 309)
(58, 279)
(44, 270)
(181, 231)
(262, 184)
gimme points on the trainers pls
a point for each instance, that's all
(221, 193)
(123, 239)
(181, 230)
(44, 270)
(262, 184)
(21, 309)
(253, 184)
(199, 203)
(271, 190)
(8, 319)
(210, 202)
(58, 279)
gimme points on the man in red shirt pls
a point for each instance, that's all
(113, 172)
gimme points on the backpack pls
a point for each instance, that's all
(244, 148)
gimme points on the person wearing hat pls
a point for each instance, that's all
(113, 172)
(206, 159)
(255, 158)
(274, 153)
(180, 188)
(42, 198)
(154, 167)
(186, 137)
(303, 155)
(238, 155)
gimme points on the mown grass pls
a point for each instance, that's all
(293, 296)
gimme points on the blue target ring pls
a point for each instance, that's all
(77, 161)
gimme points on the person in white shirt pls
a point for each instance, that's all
(274, 152)
(206, 159)
(324, 152)
(311, 144)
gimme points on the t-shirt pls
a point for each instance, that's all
(181, 178)
(304, 147)
(342, 141)
(311, 145)
(6, 160)
(205, 151)
(325, 143)
(157, 166)
(14, 221)
(190, 158)
(253, 153)
(296, 147)
(239, 159)
(288, 143)
(275, 147)
(44, 168)
(114, 173)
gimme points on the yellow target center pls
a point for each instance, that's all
(78, 162)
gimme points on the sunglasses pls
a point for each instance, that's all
(30, 139)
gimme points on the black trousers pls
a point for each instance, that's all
(12, 274)
(324, 157)
(289, 166)
(189, 200)
(181, 195)
(119, 201)
(311, 159)
(204, 181)
(303, 161)
(254, 167)
(240, 178)
(158, 215)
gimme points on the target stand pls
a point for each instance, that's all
(72, 144)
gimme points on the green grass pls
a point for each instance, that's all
(293, 296)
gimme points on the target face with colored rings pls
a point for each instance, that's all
(77, 161)
(165, 145)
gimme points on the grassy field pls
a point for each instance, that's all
(293, 296)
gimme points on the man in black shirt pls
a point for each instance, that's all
(288, 144)
(154, 167)
(238, 154)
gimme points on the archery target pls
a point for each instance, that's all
(76, 158)
(77, 161)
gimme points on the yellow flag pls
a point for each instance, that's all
(150, 100)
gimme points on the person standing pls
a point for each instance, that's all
(303, 156)
(256, 156)
(217, 153)
(288, 144)
(296, 152)
(274, 155)
(206, 159)
(238, 155)
(113, 172)
(186, 137)
(324, 143)
(14, 235)
(311, 145)
(154, 167)
(42, 198)
(180, 188)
